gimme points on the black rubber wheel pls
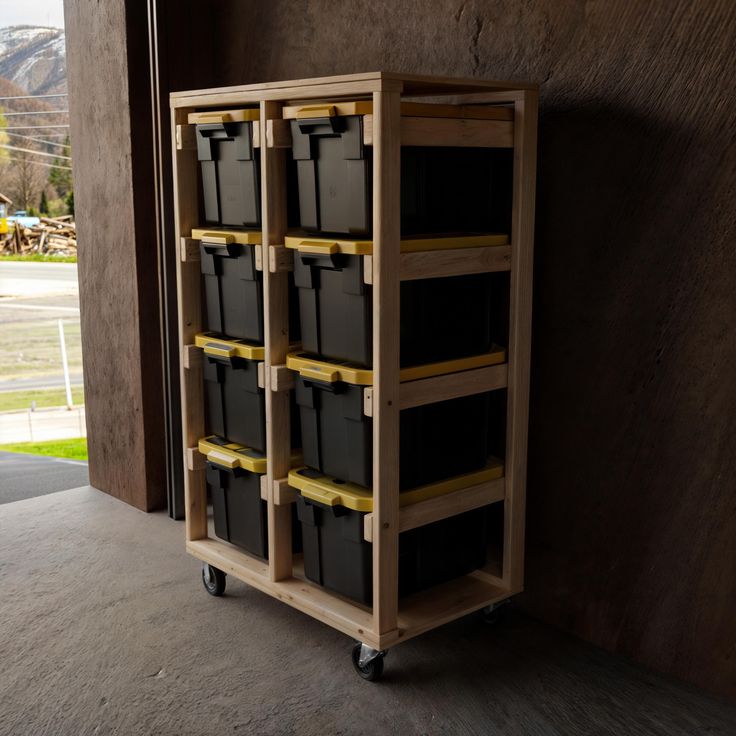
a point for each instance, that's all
(373, 670)
(496, 616)
(213, 580)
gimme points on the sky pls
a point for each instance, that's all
(32, 13)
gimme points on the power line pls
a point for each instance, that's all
(38, 163)
(34, 97)
(33, 127)
(35, 153)
(38, 140)
(37, 112)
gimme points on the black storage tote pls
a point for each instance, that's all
(441, 318)
(436, 441)
(232, 269)
(443, 189)
(337, 556)
(234, 481)
(231, 168)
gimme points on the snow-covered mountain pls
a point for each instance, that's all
(34, 58)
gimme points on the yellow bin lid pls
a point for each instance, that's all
(329, 246)
(317, 369)
(221, 347)
(333, 492)
(232, 455)
(411, 109)
(220, 236)
(224, 116)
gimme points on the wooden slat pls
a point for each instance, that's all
(283, 493)
(280, 258)
(454, 262)
(442, 507)
(195, 459)
(319, 603)
(519, 354)
(276, 329)
(444, 603)
(189, 250)
(411, 84)
(424, 131)
(186, 137)
(386, 239)
(452, 386)
(188, 283)
(278, 133)
(282, 379)
(192, 357)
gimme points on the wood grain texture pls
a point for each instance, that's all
(118, 270)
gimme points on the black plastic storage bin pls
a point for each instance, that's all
(233, 284)
(235, 405)
(441, 318)
(240, 514)
(337, 556)
(231, 168)
(443, 189)
(235, 402)
(437, 440)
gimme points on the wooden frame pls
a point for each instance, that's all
(390, 620)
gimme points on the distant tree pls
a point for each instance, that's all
(61, 178)
(43, 205)
(70, 202)
(24, 180)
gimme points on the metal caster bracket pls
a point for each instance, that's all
(368, 654)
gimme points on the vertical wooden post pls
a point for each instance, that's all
(276, 331)
(189, 289)
(522, 259)
(386, 251)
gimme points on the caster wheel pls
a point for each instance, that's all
(213, 579)
(493, 615)
(371, 671)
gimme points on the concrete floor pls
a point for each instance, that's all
(105, 629)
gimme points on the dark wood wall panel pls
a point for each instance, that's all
(109, 96)
(632, 497)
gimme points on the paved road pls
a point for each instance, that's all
(18, 278)
(42, 382)
(27, 476)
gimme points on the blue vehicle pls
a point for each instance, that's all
(23, 219)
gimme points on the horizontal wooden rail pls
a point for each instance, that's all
(452, 386)
(457, 132)
(451, 262)
(442, 507)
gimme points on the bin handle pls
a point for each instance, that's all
(318, 247)
(219, 350)
(218, 238)
(224, 461)
(315, 493)
(316, 111)
(318, 374)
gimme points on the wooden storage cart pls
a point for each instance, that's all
(391, 620)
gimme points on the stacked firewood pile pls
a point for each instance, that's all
(52, 236)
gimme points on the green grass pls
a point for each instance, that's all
(74, 449)
(45, 257)
(14, 400)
